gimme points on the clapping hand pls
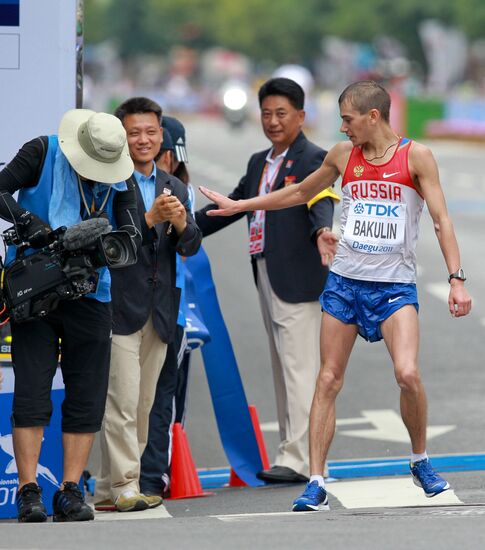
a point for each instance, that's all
(167, 208)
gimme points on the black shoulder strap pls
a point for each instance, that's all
(44, 154)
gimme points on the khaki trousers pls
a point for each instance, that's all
(136, 362)
(294, 340)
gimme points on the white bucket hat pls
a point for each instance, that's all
(95, 145)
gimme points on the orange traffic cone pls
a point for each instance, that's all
(185, 482)
(259, 437)
(234, 479)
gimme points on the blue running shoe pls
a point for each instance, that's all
(425, 477)
(313, 499)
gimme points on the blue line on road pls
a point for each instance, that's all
(348, 469)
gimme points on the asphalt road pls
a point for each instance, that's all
(451, 359)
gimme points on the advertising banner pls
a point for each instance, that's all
(40, 79)
(49, 470)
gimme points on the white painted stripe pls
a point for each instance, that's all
(155, 513)
(387, 493)
(239, 517)
(439, 290)
(352, 421)
(386, 425)
(269, 427)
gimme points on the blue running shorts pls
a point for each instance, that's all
(365, 303)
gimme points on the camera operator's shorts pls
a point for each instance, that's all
(365, 303)
(84, 327)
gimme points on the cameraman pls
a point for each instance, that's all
(61, 181)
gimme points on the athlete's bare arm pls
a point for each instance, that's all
(424, 171)
(291, 195)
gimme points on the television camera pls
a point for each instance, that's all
(65, 269)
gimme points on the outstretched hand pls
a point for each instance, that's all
(327, 246)
(227, 207)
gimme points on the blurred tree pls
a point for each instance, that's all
(95, 20)
(470, 17)
(282, 31)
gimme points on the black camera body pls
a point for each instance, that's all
(33, 284)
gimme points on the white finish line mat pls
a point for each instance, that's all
(386, 493)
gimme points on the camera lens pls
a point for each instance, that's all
(115, 250)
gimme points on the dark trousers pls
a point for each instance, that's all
(181, 390)
(83, 328)
(155, 461)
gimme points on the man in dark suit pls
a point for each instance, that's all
(145, 309)
(284, 249)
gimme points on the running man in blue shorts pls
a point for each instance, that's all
(371, 289)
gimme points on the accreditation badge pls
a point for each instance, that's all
(256, 233)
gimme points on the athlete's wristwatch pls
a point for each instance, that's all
(460, 274)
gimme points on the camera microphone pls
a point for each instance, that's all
(85, 233)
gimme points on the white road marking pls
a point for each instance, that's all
(269, 426)
(376, 493)
(387, 426)
(240, 517)
(387, 493)
(439, 290)
(155, 513)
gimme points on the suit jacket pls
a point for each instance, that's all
(293, 262)
(148, 287)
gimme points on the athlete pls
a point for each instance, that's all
(371, 288)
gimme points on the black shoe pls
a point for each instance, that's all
(281, 474)
(69, 504)
(30, 508)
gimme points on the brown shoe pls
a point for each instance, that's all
(131, 501)
(152, 500)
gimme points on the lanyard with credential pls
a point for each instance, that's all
(92, 209)
(269, 182)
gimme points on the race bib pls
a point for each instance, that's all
(375, 227)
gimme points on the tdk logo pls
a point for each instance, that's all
(359, 208)
(375, 209)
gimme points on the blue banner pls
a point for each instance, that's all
(225, 384)
(49, 470)
(9, 13)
